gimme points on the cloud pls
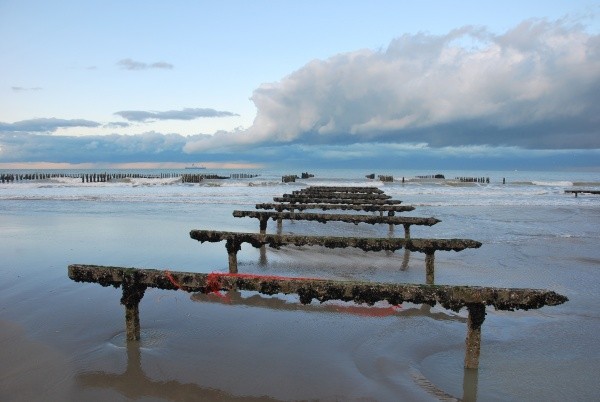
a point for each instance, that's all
(116, 124)
(184, 114)
(35, 147)
(156, 148)
(45, 125)
(22, 89)
(129, 64)
(536, 86)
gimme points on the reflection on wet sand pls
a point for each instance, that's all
(470, 383)
(470, 377)
(135, 384)
(275, 303)
(263, 261)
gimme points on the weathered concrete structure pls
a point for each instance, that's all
(264, 216)
(475, 299)
(301, 196)
(234, 241)
(340, 189)
(328, 200)
(327, 206)
(134, 282)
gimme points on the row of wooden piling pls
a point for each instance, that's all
(106, 177)
(381, 177)
(243, 175)
(291, 178)
(199, 178)
(473, 179)
(12, 177)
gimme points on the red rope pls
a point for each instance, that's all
(213, 285)
(172, 280)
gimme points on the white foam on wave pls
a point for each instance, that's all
(553, 183)
(544, 190)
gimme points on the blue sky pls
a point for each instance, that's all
(386, 84)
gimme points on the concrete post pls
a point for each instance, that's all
(473, 341)
(232, 248)
(132, 294)
(263, 224)
(429, 267)
(405, 260)
(406, 231)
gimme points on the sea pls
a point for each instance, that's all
(64, 341)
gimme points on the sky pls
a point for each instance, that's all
(380, 84)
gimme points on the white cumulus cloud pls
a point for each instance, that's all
(536, 86)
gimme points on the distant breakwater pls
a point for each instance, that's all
(107, 177)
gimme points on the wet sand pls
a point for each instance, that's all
(64, 340)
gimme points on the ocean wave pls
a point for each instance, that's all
(542, 190)
(553, 183)
(586, 184)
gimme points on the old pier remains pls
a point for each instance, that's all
(576, 192)
(473, 179)
(101, 177)
(474, 299)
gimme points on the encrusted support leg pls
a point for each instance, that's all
(406, 231)
(470, 384)
(263, 225)
(132, 294)
(473, 341)
(232, 249)
(405, 260)
(429, 267)
(262, 259)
